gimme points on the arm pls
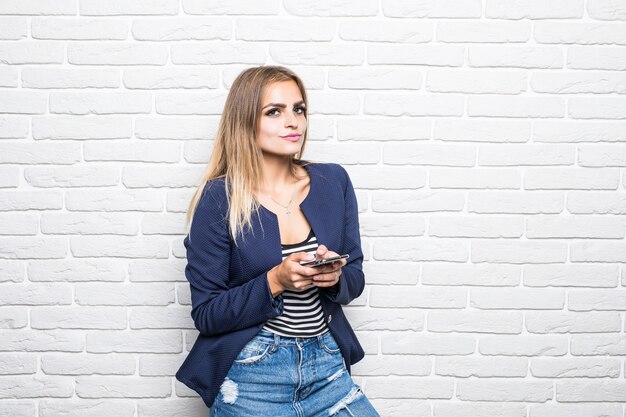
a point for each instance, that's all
(352, 280)
(216, 308)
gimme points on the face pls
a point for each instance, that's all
(282, 121)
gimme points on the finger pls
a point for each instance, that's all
(322, 251)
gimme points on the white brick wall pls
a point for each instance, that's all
(486, 140)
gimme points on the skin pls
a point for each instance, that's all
(276, 121)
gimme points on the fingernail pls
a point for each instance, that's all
(311, 256)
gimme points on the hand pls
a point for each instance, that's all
(290, 275)
(327, 275)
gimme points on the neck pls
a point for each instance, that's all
(276, 173)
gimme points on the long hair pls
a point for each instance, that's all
(236, 155)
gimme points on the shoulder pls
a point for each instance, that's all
(213, 196)
(330, 171)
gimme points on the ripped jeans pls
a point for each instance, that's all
(278, 376)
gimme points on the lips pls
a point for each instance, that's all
(292, 138)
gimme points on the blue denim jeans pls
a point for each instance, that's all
(278, 376)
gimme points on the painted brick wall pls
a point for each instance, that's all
(486, 141)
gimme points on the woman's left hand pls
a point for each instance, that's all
(327, 275)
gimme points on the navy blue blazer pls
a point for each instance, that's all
(230, 294)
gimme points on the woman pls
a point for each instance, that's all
(273, 338)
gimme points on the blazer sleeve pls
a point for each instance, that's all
(352, 280)
(216, 308)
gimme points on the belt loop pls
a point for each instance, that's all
(276, 342)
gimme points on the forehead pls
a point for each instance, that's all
(282, 91)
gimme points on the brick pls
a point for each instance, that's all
(109, 53)
(483, 31)
(399, 249)
(517, 298)
(385, 319)
(65, 28)
(119, 246)
(571, 179)
(475, 226)
(78, 318)
(40, 153)
(244, 7)
(598, 345)
(387, 365)
(142, 341)
(515, 202)
(161, 318)
(17, 363)
(445, 8)
(568, 322)
(523, 345)
(123, 387)
(412, 387)
(465, 367)
(466, 321)
(120, 7)
(571, 275)
(464, 178)
(76, 270)
(464, 409)
(182, 29)
(217, 53)
(476, 81)
(579, 391)
(534, 9)
(606, 10)
(41, 341)
(412, 343)
(166, 78)
(515, 57)
(33, 247)
(35, 387)
(483, 130)
(87, 408)
(329, 8)
(382, 129)
(441, 55)
(406, 296)
(575, 368)
(495, 389)
(578, 33)
(576, 410)
(87, 364)
(599, 58)
(59, 78)
(470, 275)
(597, 299)
(171, 407)
(374, 78)
(518, 154)
(40, 52)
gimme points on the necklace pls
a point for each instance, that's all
(288, 212)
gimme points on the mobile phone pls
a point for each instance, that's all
(323, 261)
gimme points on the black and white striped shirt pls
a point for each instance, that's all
(302, 312)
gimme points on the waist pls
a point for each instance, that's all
(269, 337)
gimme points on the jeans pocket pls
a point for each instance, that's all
(329, 344)
(253, 352)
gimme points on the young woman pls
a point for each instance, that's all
(273, 339)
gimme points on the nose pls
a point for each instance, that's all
(291, 119)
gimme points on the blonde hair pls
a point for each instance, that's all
(236, 155)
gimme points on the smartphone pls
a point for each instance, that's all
(323, 261)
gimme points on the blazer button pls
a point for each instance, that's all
(330, 317)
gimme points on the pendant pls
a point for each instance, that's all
(288, 212)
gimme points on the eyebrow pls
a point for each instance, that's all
(281, 105)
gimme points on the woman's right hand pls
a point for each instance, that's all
(290, 275)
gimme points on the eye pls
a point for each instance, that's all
(299, 110)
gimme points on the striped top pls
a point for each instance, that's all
(302, 312)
